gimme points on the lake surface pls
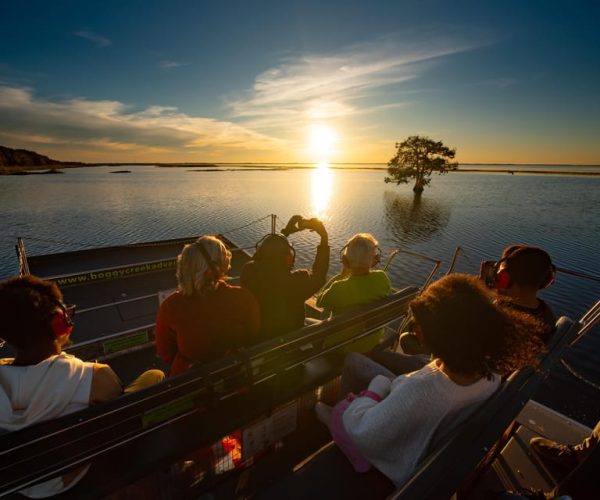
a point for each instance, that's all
(482, 213)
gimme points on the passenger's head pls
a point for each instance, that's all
(461, 325)
(526, 266)
(201, 264)
(275, 250)
(33, 313)
(361, 252)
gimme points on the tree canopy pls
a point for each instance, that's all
(417, 158)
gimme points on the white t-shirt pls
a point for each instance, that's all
(57, 386)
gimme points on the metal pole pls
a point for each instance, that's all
(454, 259)
(273, 223)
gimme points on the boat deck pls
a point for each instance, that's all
(517, 466)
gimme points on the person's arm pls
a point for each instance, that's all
(106, 385)
(387, 283)
(321, 262)
(325, 294)
(371, 423)
(253, 318)
(166, 338)
(247, 276)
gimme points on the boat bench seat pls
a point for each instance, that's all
(448, 464)
(150, 429)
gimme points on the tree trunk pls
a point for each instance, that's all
(418, 188)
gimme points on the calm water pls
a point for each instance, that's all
(480, 212)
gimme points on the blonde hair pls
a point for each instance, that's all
(360, 250)
(194, 274)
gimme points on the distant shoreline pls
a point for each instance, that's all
(247, 167)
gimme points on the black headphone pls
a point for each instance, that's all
(503, 278)
(260, 252)
(214, 271)
(376, 257)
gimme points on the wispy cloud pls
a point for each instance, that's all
(108, 126)
(99, 40)
(171, 64)
(267, 118)
(335, 85)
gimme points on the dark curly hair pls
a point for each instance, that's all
(469, 333)
(26, 306)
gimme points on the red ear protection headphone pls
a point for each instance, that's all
(262, 251)
(61, 321)
(502, 279)
(376, 256)
(214, 271)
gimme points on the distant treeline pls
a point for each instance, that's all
(23, 158)
(22, 161)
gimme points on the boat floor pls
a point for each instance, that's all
(517, 466)
(330, 475)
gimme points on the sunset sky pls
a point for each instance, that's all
(300, 81)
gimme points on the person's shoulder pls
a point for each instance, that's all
(300, 274)
(66, 358)
(249, 267)
(229, 289)
(545, 307)
(380, 274)
(340, 281)
(236, 292)
(175, 298)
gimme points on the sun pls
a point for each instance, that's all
(321, 142)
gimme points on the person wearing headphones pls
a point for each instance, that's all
(42, 382)
(280, 290)
(518, 276)
(206, 318)
(394, 422)
(358, 284)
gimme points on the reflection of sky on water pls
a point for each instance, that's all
(321, 189)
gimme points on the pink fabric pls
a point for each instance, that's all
(340, 436)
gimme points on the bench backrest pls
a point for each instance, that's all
(166, 421)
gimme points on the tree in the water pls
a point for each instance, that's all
(417, 158)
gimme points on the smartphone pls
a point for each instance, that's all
(487, 272)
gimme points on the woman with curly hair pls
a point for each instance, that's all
(205, 318)
(396, 420)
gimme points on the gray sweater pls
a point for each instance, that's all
(395, 434)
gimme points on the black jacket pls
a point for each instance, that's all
(281, 293)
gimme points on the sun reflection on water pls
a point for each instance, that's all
(321, 189)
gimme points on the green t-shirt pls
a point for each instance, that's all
(343, 294)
